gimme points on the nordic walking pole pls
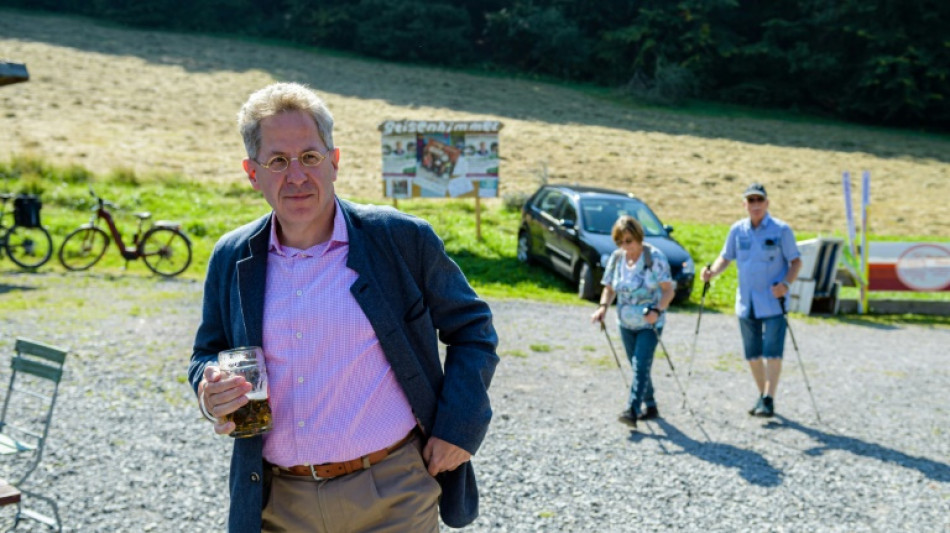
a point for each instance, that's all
(669, 360)
(692, 350)
(800, 363)
(603, 327)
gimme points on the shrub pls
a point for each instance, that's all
(671, 84)
(31, 183)
(123, 176)
(514, 201)
(75, 174)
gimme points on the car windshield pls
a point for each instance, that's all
(599, 215)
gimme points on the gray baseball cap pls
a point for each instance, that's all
(756, 189)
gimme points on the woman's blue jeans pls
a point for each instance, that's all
(640, 345)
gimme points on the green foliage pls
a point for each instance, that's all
(537, 39)
(701, 35)
(332, 24)
(413, 30)
(883, 61)
(151, 14)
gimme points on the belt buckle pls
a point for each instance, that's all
(313, 472)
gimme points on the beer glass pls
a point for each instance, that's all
(254, 417)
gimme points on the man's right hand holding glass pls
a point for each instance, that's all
(222, 396)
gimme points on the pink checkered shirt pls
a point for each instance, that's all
(332, 392)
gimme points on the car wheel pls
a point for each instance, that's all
(681, 297)
(524, 248)
(586, 287)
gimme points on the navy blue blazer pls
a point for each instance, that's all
(410, 291)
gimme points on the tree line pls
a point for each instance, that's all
(873, 61)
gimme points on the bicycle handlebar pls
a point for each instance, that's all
(99, 200)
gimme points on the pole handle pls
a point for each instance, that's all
(781, 301)
(706, 283)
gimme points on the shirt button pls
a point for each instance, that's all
(299, 292)
(300, 424)
(300, 379)
(299, 335)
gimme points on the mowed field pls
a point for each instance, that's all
(108, 98)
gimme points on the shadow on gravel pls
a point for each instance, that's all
(752, 466)
(4, 288)
(894, 321)
(931, 469)
(858, 321)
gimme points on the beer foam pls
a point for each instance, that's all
(257, 395)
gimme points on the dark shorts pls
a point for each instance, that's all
(763, 337)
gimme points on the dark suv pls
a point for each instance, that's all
(567, 228)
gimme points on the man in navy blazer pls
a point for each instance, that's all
(403, 293)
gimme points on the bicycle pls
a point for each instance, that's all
(26, 242)
(164, 248)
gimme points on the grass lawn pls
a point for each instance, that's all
(207, 212)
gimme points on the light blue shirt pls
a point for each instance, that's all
(762, 256)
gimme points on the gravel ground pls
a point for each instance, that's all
(128, 450)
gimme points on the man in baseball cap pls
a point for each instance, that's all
(768, 259)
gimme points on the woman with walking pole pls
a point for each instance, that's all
(638, 275)
(768, 259)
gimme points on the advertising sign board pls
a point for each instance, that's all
(440, 159)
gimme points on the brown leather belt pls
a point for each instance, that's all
(332, 470)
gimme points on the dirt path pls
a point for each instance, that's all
(128, 450)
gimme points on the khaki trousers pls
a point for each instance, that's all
(396, 495)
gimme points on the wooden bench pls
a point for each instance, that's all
(8, 493)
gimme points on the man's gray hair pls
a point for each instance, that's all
(279, 98)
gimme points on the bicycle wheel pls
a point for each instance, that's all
(166, 251)
(83, 248)
(29, 247)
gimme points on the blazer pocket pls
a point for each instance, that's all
(416, 310)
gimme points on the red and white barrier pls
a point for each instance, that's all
(908, 266)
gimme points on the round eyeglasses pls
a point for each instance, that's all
(280, 163)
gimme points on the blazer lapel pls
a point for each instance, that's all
(252, 280)
(366, 288)
(356, 258)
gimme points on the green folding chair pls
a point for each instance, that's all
(36, 370)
